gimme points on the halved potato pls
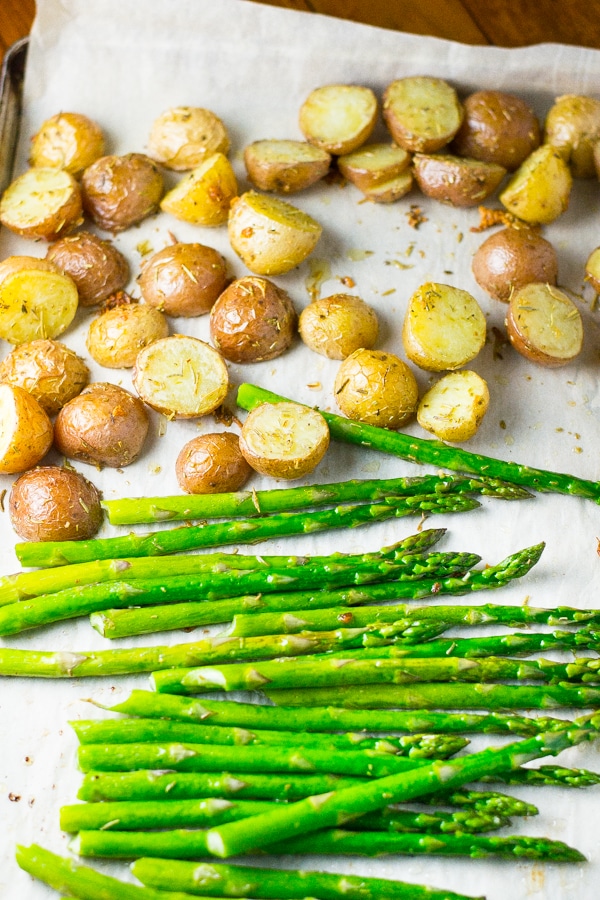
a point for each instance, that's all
(422, 113)
(544, 325)
(284, 440)
(36, 303)
(444, 327)
(181, 377)
(117, 335)
(573, 128)
(54, 503)
(497, 128)
(49, 370)
(456, 180)
(183, 279)
(42, 203)
(392, 190)
(337, 325)
(373, 164)
(68, 141)
(512, 257)
(120, 191)
(211, 464)
(592, 269)
(269, 235)
(183, 136)
(285, 166)
(96, 266)
(339, 118)
(204, 196)
(539, 190)
(454, 407)
(25, 430)
(376, 387)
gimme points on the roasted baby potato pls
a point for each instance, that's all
(337, 325)
(211, 464)
(183, 136)
(285, 166)
(54, 503)
(376, 387)
(49, 370)
(573, 128)
(117, 335)
(269, 235)
(36, 300)
(592, 269)
(511, 258)
(339, 118)
(456, 180)
(544, 325)
(392, 190)
(253, 320)
(181, 377)
(422, 113)
(497, 128)
(68, 141)
(120, 191)
(453, 408)
(203, 197)
(25, 430)
(444, 327)
(284, 440)
(539, 190)
(183, 279)
(105, 425)
(96, 266)
(42, 204)
(373, 164)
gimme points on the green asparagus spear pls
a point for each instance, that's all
(145, 785)
(422, 450)
(444, 696)
(548, 776)
(138, 730)
(222, 880)
(136, 815)
(123, 623)
(146, 510)
(324, 672)
(331, 810)
(192, 844)
(73, 602)
(82, 881)
(238, 531)
(324, 719)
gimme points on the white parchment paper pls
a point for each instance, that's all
(123, 63)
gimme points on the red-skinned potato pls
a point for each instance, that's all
(211, 464)
(511, 258)
(25, 430)
(497, 128)
(96, 266)
(544, 325)
(54, 503)
(183, 279)
(120, 191)
(285, 166)
(105, 425)
(455, 180)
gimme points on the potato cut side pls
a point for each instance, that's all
(339, 118)
(373, 164)
(455, 180)
(284, 440)
(25, 430)
(592, 269)
(35, 304)
(544, 325)
(204, 196)
(391, 190)
(422, 113)
(181, 377)
(269, 235)
(182, 137)
(285, 166)
(454, 407)
(42, 203)
(444, 327)
(540, 189)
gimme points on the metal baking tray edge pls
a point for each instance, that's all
(11, 94)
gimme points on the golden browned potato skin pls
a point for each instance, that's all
(511, 258)
(54, 503)
(96, 266)
(68, 141)
(253, 320)
(117, 335)
(183, 279)
(497, 128)
(211, 464)
(47, 369)
(104, 425)
(119, 191)
(376, 387)
(337, 325)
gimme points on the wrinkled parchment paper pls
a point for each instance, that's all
(122, 63)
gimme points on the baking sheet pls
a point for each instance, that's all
(123, 63)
